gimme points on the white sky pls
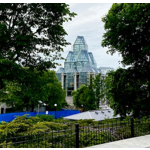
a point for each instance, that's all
(88, 23)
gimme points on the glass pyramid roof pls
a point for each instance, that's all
(79, 44)
(61, 70)
(99, 70)
(70, 57)
(80, 41)
(80, 60)
(83, 56)
(92, 59)
(87, 69)
(71, 70)
(96, 70)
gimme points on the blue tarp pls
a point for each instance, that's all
(59, 114)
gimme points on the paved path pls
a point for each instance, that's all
(137, 142)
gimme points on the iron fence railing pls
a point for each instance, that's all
(80, 136)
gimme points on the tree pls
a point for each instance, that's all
(125, 95)
(9, 95)
(51, 91)
(31, 35)
(89, 96)
(44, 87)
(127, 32)
(99, 89)
(77, 96)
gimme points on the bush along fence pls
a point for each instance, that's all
(78, 136)
(59, 114)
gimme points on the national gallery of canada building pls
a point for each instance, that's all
(78, 66)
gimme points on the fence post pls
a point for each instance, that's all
(77, 135)
(132, 127)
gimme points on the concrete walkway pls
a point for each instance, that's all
(137, 142)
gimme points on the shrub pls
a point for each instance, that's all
(46, 117)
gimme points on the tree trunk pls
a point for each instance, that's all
(32, 107)
(12, 106)
(1, 83)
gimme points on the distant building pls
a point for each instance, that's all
(78, 66)
(3, 108)
(105, 70)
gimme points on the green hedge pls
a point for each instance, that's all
(44, 131)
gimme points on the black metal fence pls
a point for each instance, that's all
(80, 136)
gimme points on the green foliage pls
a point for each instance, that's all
(41, 25)
(9, 145)
(127, 32)
(44, 86)
(89, 96)
(99, 89)
(46, 117)
(49, 89)
(126, 96)
(24, 125)
(77, 101)
(38, 133)
(9, 96)
(96, 138)
(41, 127)
(85, 122)
(31, 37)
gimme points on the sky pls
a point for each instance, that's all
(88, 23)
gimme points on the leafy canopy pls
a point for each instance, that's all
(42, 86)
(31, 35)
(89, 96)
(126, 96)
(127, 32)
